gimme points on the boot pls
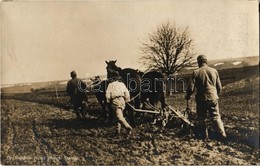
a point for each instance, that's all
(201, 132)
(220, 129)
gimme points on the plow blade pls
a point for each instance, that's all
(180, 115)
(144, 111)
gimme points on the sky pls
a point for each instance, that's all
(46, 40)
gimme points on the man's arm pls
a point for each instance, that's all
(68, 90)
(125, 92)
(127, 96)
(218, 84)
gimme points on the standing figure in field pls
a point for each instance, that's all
(78, 98)
(132, 80)
(117, 95)
(207, 83)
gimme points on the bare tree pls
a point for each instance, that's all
(168, 49)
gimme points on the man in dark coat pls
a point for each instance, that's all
(207, 83)
(78, 98)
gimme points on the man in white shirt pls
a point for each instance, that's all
(117, 95)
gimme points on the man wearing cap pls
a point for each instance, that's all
(207, 83)
(117, 95)
(78, 98)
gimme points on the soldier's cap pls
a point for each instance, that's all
(73, 74)
(202, 58)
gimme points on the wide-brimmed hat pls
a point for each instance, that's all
(202, 58)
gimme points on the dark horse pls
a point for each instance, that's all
(99, 88)
(153, 89)
(132, 80)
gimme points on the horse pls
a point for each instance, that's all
(99, 88)
(132, 80)
(153, 89)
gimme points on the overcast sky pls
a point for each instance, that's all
(44, 41)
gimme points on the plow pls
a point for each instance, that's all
(163, 115)
(167, 114)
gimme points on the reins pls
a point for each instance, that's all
(135, 96)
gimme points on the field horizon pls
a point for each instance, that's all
(222, 65)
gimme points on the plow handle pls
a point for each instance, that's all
(187, 103)
(188, 110)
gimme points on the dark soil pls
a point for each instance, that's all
(37, 130)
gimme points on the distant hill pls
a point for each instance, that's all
(50, 86)
(226, 63)
(234, 62)
(33, 87)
